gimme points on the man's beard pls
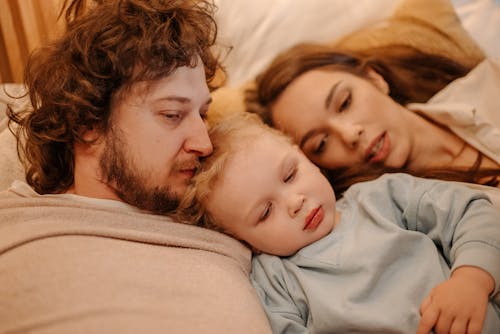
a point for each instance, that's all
(119, 172)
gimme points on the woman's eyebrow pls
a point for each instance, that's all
(331, 93)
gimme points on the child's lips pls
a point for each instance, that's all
(314, 218)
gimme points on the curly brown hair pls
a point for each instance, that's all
(106, 48)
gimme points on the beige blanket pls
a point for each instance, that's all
(68, 266)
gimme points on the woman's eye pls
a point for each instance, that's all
(265, 214)
(346, 102)
(320, 146)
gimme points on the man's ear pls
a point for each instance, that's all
(89, 135)
(378, 80)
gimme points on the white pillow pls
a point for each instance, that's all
(481, 19)
(10, 167)
(259, 29)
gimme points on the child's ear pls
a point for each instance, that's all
(378, 80)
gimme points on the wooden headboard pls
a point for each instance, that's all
(24, 25)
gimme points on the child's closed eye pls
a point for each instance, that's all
(290, 176)
(266, 212)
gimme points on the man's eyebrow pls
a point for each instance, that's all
(331, 93)
(181, 99)
(175, 98)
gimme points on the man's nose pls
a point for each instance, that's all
(198, 141)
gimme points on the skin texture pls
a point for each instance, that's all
(340, 119)
(156, 137)
(281, 189)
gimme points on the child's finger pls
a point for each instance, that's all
(459, 326)
(476, 323)
(429, 318)
(443, 324)
(425, 304)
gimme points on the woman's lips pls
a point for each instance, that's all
(378, 149)
(314, 218)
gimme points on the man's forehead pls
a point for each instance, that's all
(173, 86)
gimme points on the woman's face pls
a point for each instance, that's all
(340, 119)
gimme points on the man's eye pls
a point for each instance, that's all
(265, 214)
(172, 114)
(204, 114)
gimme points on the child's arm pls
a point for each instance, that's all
(447, 311)
(465, 227)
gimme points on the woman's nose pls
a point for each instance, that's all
(349, 133)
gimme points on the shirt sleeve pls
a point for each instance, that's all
(462, 222)
(286, 313)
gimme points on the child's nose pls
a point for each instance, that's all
(295, 203)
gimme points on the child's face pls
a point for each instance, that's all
(271, 196)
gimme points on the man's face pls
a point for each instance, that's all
(156, 136)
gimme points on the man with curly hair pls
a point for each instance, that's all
(115, 134)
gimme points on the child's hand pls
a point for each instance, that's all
(459, 304)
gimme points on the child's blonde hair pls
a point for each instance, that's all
(229, 134)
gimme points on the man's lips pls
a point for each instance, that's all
(378, 149)
(188, 172)
(314, 218)
(188, 169)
